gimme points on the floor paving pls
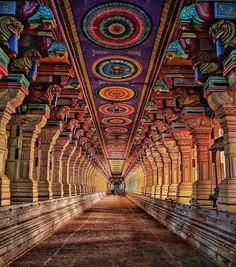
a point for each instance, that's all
(113, 233)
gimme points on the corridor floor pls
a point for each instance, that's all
(113, 233)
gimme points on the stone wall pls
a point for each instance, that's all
(211, 232)
(23, 226)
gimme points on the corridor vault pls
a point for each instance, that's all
(136, 97)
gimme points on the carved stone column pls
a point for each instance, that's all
(58, 151)
(68, 153)
(166, 169)
(85, 169)
(12, 93)
(173, 150)
(154, 174)
(222, 100)
(82, 170)
(48, 137)
(72, 171)
(78, 180)
(89, 178)
(184, 141)
(25, 188)
(159, 164)
(201, 127)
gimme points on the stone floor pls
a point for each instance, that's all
(113, 233)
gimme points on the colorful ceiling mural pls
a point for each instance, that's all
(116, 44)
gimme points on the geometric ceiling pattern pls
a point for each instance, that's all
(116, 46)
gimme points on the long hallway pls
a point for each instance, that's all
(114, 232)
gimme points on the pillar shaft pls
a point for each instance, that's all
(48, 139)
(58, 151)
(184, 141)
(201, 128)
(24, 188)
(12, 96)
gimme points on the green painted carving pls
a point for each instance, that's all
(151, 105)
(43, 16)
(175, 49)
(189, 15)
(160, 86)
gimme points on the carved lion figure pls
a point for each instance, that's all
(170, 115)
(225, 30)
(185, 98)
(205, 62)
(9, 26)
(46, 96)
(60, 114)
(26, 62)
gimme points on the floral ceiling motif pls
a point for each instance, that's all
(115, 68)
(116, 25)
(117, 93)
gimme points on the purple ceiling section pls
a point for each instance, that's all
(103, 29)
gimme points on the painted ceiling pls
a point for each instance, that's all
(117, 45)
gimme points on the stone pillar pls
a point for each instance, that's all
(58, 151)
(89, 178)
(201, 127)
(166, 169)
(73, 171)
(24, 188)
(159, 163)
(82, 170)
(222, 100)
(12, 93)
(86, 167)
(68, 153)
(77, 173)
(149, 176)
(184, 141)
(173, 150)
(48, 137)
(154, 174)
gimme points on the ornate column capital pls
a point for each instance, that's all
(219, 95)
(230, 68)
(13, 90)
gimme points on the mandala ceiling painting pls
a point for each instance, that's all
(115, 43)
(117, 68)
(116, 25)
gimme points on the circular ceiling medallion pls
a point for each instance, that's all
(117, 68)
(117, 142)
(116, 109)
(117, 93)
(116, 25)
(118, 121)
(116, 130)
(116, 136)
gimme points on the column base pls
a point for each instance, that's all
(79, 189)
(73, 190)
(148, 191)
(4, 190)
(57, 190)
(202, 189)
(172, 191)
(45, 190)
(67, 190)
(227, 195)
(153, 191)
(164, 191)
(184, 192)
(158, 191)
(24, 191)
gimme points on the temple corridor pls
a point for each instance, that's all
(118, 133)
(113, 233)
